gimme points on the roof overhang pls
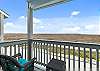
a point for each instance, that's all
(4, 13)
(38, 4)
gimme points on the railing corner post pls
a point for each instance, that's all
(29, 48)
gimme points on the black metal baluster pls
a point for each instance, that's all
(36, 50)
(5, 50)
(44, 53)
(47, 52)
(10, 50)
(25, 51)
(50, 51)
(97, 59)
(19, 48)
(53, 50)
(41, 52)
(60, 52)
(90, 59)
(73, 58)
(14, 49)
(84, 59)
(64, 53)
(68, 58)
(79, 59)
(56, 51)
(22, 49)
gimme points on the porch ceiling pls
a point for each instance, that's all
(4, 13)
(38, 4)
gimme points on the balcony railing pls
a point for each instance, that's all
(78, 56)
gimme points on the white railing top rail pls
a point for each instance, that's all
(57, 42)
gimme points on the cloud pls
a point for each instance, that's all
(22, 17)
(73, 29)
(86, 25)
(36, 21)
(42, 26)
(91, 27)
(10, 27)
(75, 13)
(9, 24)
(79, 25)
(19, 25)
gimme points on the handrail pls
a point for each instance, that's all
(71, 43)
(8, 43)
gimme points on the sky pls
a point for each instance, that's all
(75, 17)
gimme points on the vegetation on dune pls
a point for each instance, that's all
(76, 53)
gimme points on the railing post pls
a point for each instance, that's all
(29, 48)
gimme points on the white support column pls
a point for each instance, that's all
(29, 29)
(30, 22)
(1, 27)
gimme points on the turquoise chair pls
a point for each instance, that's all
(10, 63)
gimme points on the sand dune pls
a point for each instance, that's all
(64, 37)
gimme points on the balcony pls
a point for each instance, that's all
(78, 56)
